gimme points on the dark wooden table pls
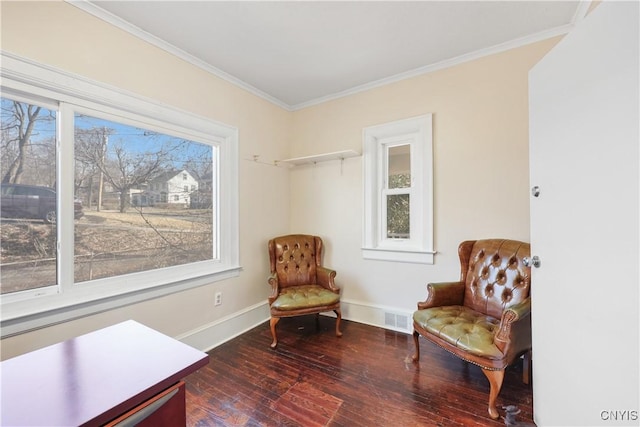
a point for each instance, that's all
(95, 378)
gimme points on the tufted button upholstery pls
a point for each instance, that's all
(496, 278)
(299, 283)
(295, 259)
(484, 318)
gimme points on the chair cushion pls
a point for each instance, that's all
(462, 327)
(304, 296)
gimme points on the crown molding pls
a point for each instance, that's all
(581, 11)
(116, 21)
(512, 44)
(112, 19)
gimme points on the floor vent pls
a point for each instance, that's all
(396, 321)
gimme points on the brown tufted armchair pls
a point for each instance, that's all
(299, 283)
(485, 317)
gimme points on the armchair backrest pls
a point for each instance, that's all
(494, 274)
(295, 258)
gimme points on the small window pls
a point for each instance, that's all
(398, 191)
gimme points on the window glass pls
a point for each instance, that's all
(399, 166)
(130, 226)
(28, 206)
(398, 216)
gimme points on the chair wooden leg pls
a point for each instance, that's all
(526, 367)
(274, 321)
(338, 320)
(416, 355)
(495, 381)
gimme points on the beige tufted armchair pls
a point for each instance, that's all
(299, 283)
(484, 318)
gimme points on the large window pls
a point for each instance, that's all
(398, 191)
(123, 230)
(106, 203)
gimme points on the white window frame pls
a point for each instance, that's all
(28, 310)
(417, 132)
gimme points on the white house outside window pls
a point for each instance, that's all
(398, 191)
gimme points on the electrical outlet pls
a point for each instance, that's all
(218, 298)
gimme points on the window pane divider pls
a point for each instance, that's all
(65, 177)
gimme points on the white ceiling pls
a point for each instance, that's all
(300, 53)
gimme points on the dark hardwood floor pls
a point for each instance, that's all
(365, 378)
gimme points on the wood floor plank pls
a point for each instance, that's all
(365, 378)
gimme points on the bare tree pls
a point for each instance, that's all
(18, 123)
(131, 170)
(122, 167)
(200, 166)
(90, 152)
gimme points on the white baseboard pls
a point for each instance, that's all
(222, 330)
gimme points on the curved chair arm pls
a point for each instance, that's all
(514, 333)
(273, 281)
(326, 278)
(443, 293)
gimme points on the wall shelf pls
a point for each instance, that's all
(338, 155)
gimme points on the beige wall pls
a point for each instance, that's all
(480, 169)
(480, 153)
(63, 36)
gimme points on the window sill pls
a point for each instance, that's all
(25, 316)
(416, 257)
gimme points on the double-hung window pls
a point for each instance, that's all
(398, 191)
(83, 225)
